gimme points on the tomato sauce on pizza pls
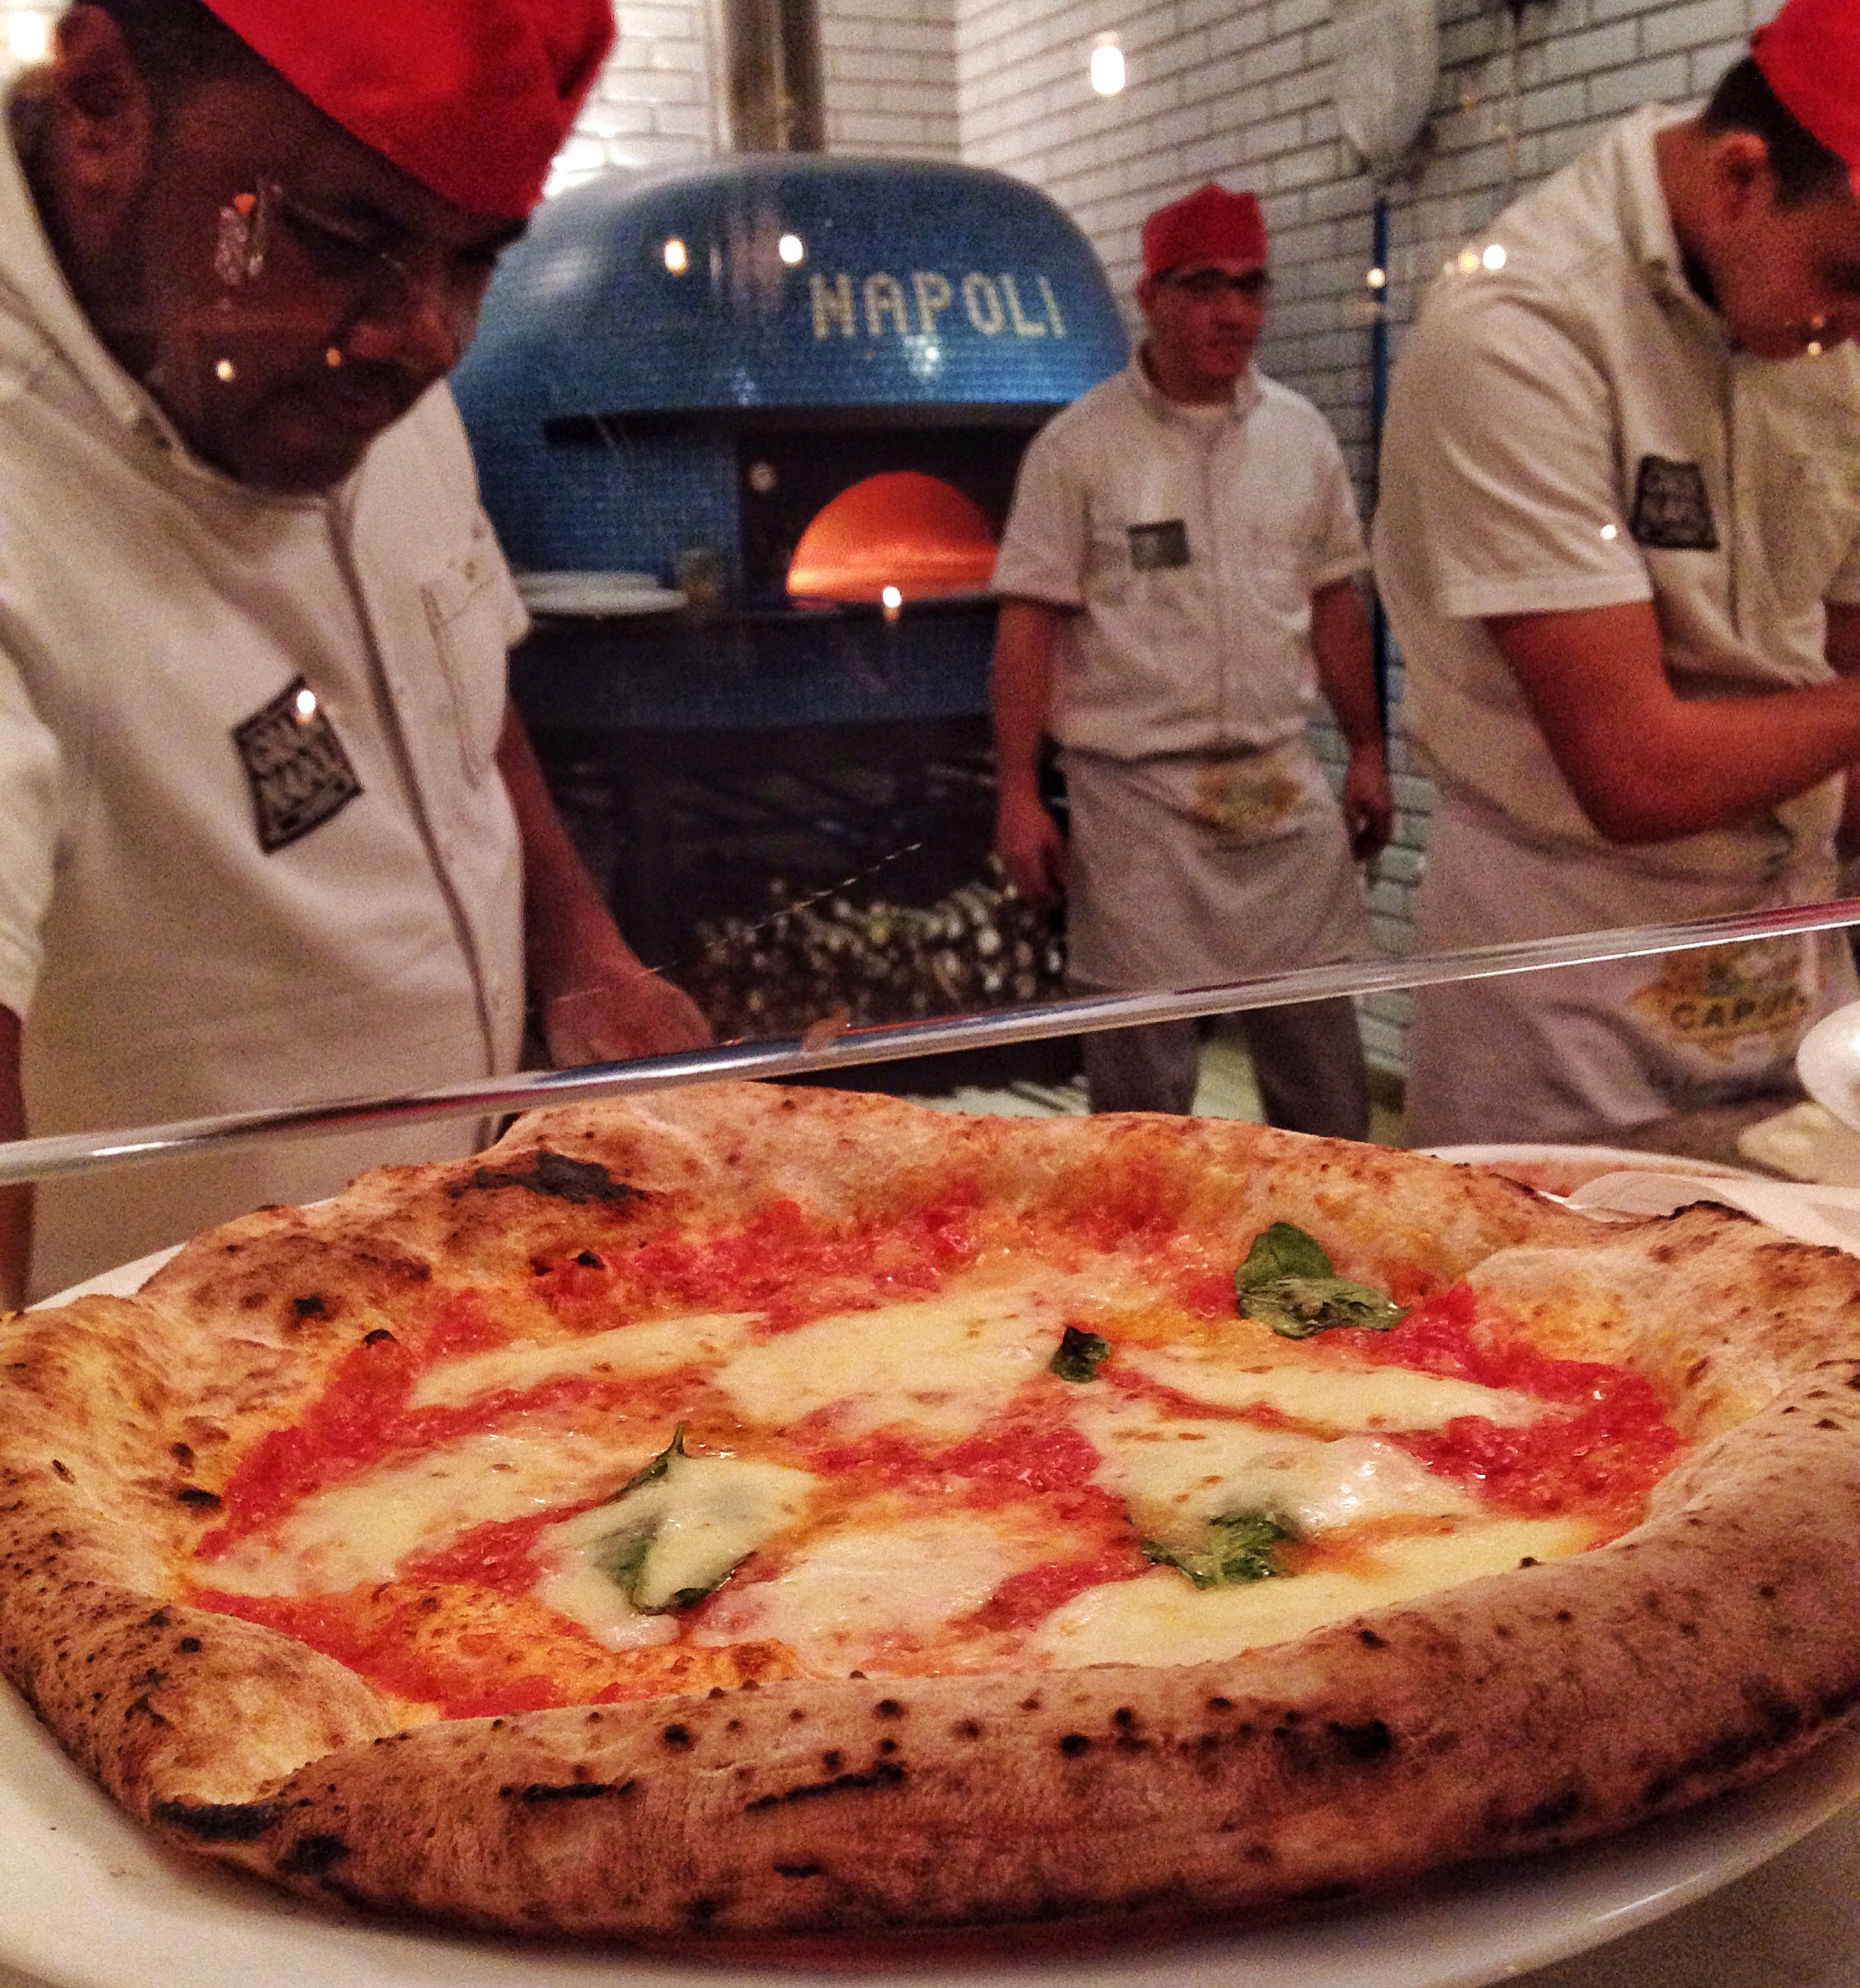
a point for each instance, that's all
(800, 1445)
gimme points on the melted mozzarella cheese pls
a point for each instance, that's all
(704, 1516)
(1350, 1397)
(654, 1346)
(1162, 1619)
(362, 1530)
(1175, 1476)
(851, 1593)
(943, 1364)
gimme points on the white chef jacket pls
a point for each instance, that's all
(254, 847)
(1573, 430)
(1194, 549)
(1206, 842)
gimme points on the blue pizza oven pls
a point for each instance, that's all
(693, 362)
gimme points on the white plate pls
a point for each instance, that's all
(1562, 1169)
(1828, 1064)
(596, 593)
(91, 1901)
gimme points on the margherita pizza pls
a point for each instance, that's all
(757, 1512)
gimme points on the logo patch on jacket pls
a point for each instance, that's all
(1671, 512)
(1153, 547)
(300, 775)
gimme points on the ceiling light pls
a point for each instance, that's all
(1107, 68)
(28, 36)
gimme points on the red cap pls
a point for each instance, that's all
(1809, 55)
(473, 98)
(1211, 225)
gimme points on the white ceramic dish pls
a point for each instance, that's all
(596, 593)
(1828, 1064)
(1562, 1169)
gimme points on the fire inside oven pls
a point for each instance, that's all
(841, 516)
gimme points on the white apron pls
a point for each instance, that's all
(1570, 1053)
(1187, 870)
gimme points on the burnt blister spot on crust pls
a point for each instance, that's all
(538, 1794)
(1552, 1813)
(1774, 1723)
(61, 1470)
(798, 1870)
(221, 1822)
(1370, 1739)
(311, 1856)
(310, 1306)
(198, 1496)
(551, 1173)
(676, 1737)
(881, 1774)
(1073, 1744)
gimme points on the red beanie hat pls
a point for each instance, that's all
(473, 98)
(1809, 55)
(1211, 225)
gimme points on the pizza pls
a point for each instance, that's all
(755, 1512)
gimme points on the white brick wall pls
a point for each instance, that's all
(888, 75)
(887, 69)
(654, 104)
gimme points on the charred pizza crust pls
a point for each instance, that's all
(1714, 1642)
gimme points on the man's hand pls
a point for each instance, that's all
(600, 1003)
(1368, 805)
(637, 1015)
(1025, 834)
(1032, 846)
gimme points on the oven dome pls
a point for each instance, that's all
(795, 281)
(658, 346)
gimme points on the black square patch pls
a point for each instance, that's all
(1671, 509)
(1153, 547)
(300, 775)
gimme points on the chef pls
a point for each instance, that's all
(269, 830)
(1619, 544)
(1178, 578)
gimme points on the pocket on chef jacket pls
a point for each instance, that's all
(467, 609)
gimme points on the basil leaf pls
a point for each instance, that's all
(1236, 1548)
(653, 1471)
(1080, 1355)
(1287, 1282)
(1282, 1251)
(679, 1528)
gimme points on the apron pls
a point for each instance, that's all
(1187, 870)
(1575, 1052)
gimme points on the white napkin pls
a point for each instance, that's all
(1829, 1215)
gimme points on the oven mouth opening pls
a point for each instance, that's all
(898, 537)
